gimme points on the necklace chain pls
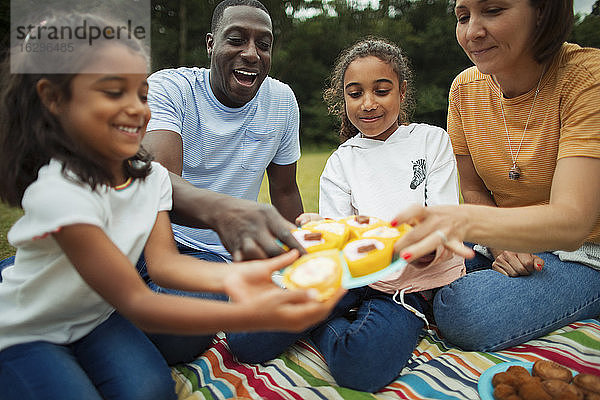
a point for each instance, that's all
(515, 172)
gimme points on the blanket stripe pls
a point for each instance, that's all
(436, 370)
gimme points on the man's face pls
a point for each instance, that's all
(240, 54)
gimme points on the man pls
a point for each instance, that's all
(220, 129)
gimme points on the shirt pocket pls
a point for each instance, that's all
(258, 149)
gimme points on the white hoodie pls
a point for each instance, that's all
(415, 165)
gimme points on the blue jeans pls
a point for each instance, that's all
(5, 263)
(178, 349)
(365, 350)
(488, 311)
(114, 361)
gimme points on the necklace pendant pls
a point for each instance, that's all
(514, 173)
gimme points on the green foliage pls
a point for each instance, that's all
(587, 31)
(310, 166)
(8, 216)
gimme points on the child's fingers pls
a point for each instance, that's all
(280, 261)
(307, 217)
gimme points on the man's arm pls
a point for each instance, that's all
(167, 148)
(248, 230)
(284, 191)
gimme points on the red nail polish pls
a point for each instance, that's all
(394, 223)
(406, 256)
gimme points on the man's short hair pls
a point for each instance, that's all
(220, 8)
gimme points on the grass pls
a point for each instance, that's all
(310, 167)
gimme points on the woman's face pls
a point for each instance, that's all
(496, 34)
(372, 96)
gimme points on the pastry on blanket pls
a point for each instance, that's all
(589, 384)
(338, 232)
(502, 391)
(562, 390)
(387, 233)
(321, 271)
(365, 256)
(504, 378)
(550, 370)
(313, 240)
(533, 390)
(359, 224)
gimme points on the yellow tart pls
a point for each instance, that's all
(361, 223)
(337, 232)
(387, 233)
(368, 255)
(321, 271)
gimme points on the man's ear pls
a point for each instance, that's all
(210, 41)
(49, 95)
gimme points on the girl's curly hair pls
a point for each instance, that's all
(371, 46)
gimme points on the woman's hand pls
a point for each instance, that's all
(250, 284)
(516, 264)
(432, 227)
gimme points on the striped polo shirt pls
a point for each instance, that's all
(225, 149)
(565, 122)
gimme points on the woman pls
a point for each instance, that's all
(525, 129)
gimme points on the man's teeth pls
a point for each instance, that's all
(246, 73)
(127, 129)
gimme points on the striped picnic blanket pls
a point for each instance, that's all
(437, 370)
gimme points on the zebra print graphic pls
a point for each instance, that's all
(419, 172)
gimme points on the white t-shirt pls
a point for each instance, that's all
(42, 296)
(225, 149)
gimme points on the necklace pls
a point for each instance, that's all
(515, 172)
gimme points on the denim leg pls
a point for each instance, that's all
(5, 263)
(115, 361)
(42, 370)
(258, 347)
(132, 369)
(488, 311)
(368, 353)
(478, 262)
(178, 349)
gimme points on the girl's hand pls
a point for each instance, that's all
(516, 264)
(272, 308)
(432, 227)
(307, 217)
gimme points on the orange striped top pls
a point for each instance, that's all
(565, 122)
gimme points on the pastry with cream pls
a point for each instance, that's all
(387, 233)
(358, 224)
(338, 232)
(321, 271)
(367, 255)
(313, 240)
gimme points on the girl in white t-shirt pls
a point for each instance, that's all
(70, 156)
(383, 164)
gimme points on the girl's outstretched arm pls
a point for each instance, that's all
(110, 273)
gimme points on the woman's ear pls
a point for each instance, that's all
(49, 95)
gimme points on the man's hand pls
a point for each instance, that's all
(250, 230)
